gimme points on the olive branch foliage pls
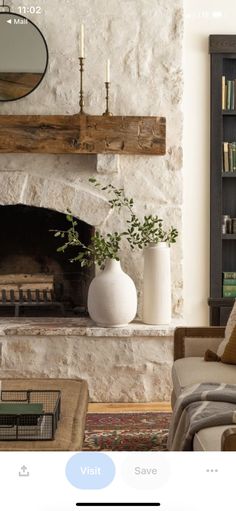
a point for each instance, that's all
(138, 233)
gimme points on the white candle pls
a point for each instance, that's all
(82, 41)
(108, 69)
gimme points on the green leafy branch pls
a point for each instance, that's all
(119, 200)
(150, 231)
(139, 233)
(100, 248)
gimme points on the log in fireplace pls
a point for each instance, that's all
(35, 279)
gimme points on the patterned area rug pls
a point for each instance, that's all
(126, 431)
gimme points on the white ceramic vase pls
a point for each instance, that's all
(112, 297)
(157, 284)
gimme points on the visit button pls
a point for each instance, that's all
(90, 471)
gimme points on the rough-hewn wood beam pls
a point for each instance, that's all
(82, 134)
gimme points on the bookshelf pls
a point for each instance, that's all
(222, 49)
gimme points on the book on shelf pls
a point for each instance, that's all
(229, 282)
(228, 94)
(229, 274)
(229, 291)
(223, 93)
(229, 157)
(233, 145)
(231, 164)
(232, 95)
(225, 157)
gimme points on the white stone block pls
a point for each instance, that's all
(12, 185)
(108, 163)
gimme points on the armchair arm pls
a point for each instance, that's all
(228, 440)
(194, 341)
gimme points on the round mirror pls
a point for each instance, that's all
(23, 56)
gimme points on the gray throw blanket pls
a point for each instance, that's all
(199, 406)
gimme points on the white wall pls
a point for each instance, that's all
(202, 17)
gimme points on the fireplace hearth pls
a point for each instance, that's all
(29, 249)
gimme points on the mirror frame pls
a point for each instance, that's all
(47, 55)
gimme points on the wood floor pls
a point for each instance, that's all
(128, 407)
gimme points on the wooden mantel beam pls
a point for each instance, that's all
(82, 134)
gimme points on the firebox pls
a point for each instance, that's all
(29, 249)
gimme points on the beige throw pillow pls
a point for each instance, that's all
(229, 355)
(228, 331)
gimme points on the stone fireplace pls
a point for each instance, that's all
(144, 41)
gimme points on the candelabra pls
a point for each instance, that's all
(81, 102)
(107, 112)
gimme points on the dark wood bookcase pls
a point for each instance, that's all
(222, 49)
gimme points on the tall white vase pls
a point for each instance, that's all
(157, 284)
(112, 297)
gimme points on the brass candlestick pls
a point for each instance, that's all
(107, 112)
(81, 102)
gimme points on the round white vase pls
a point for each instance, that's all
(112, 297)
(157, 284)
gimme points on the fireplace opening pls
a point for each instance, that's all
(29, 252)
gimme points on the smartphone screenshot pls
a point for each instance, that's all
(117, 254)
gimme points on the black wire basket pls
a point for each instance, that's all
(39, 418)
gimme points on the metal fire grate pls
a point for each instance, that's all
(29, 298)
(34, 425)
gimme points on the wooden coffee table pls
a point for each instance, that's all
(74, 402)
